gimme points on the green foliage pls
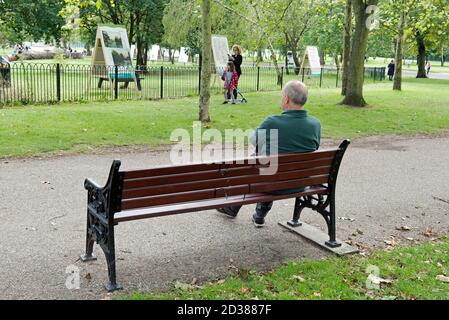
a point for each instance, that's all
(430, 18)
(142, 18)
(23, 20)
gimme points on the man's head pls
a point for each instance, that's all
(294, 95)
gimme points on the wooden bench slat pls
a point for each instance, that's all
(222, 182)
(158, 211)
(217, 174)
(288, 184)
(171, 170)
(253, 184)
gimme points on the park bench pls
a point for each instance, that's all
(171, 190)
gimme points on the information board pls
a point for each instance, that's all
(311, 60)
(220, 50)
(112, 49)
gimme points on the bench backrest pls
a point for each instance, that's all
(194, 182)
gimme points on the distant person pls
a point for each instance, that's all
(237, 59)
(297, 132)
(231, 81)
(428, 66)
(390, 72)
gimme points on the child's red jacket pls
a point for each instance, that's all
(234, 80)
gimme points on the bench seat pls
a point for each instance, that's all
(194, 206)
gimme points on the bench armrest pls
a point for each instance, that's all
(91, 185)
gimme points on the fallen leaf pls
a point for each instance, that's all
(378, 280)
(183, 286)
(88, 276)
(345, 218)
(391, 243)
(429, 232)
(298, 278)
(443, 278)
(245, 290)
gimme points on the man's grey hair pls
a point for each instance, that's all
(297, 92)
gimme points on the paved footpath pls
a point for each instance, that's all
(385, 183)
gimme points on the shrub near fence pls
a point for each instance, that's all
(30, 83)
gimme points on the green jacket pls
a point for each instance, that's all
(297, 132)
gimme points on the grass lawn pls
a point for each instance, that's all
(423, 107)
(405, 273)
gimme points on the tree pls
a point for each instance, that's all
(427, 21)
(37, 20)
(397, 85)
(297, 20)
(142, 19)
(363, 14)
(206, 32)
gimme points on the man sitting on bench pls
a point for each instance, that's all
(297, 132)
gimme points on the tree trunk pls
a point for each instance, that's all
(354, 90)
(442, 55)
(259, 56)
(323, 58)
(294, 47)
(287, 71)
(347, 46)
(206, 34)
(139, 55)
(397, 85)
(337, 61)
(421, 55)
(276, 65)
(145, 57)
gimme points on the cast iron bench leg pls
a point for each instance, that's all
(90, 241)
(109, 252)
(332, 243)
(299, 206)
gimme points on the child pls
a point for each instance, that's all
(428, 66)
(231, 81)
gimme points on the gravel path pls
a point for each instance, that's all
(385, 183)
(432, 75)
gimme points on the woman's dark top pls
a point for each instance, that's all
(238, 59)
(391, 67)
